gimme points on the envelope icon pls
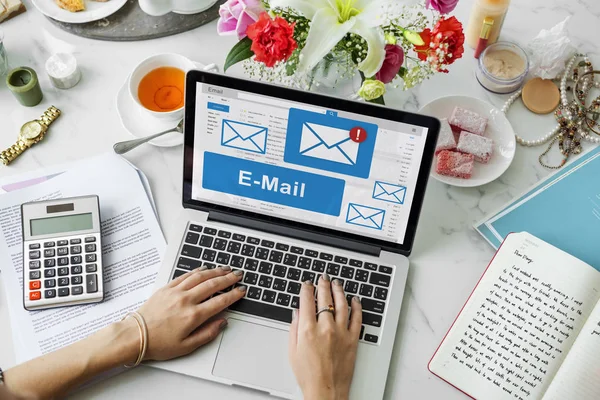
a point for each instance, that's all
(389, 192)
(365, 216)
(243, 136)
(328, 143)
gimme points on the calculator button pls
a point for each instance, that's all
(49, 263)
(75, 249)
(35, 275)
(62, 242)
(76, 280)
(90, 258)
(49, 244)
(91, 282)
(34, 255)
(76, 270)
(76, 259)
(34, 264)
(49, 273)
(75, 241)
(62, 251)
(50, 293)
(90, 248)
(90, 239)
(50, 283)
(91, 268)
(49, 253)
(35, 296)
(35, 285)
(63, 292)
(64, 271)
(63, 261)
(63, 282)
(34, 246)
(77, 290)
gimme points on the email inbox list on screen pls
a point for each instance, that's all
(320, 166)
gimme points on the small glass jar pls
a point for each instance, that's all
(505, 79)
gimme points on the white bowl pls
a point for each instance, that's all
(498, 129)
(150, 64)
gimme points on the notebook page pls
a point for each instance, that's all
(520, 322)
(579, 375)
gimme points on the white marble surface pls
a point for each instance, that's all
(448, 257)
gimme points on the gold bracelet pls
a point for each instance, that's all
(143, 329)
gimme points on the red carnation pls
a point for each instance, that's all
(443, 45)
(272, 39)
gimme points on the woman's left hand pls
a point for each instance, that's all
(179, 315)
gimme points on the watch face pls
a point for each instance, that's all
(31, 130)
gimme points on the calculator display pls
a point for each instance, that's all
(68, 223)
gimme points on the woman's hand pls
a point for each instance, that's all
(323, 350)
(179, 315)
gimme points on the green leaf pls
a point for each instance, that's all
(402, 72)
(240, 52)
(379, 100)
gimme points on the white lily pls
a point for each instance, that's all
(331, 20)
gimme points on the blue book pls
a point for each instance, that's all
(563, 210)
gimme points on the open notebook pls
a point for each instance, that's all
(529, 330)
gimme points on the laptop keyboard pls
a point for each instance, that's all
(274, 271)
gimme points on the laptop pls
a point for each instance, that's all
(287, 185)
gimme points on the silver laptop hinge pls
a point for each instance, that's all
(327, 240)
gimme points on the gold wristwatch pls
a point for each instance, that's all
(31, 133)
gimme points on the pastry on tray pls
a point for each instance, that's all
(467, 120)
(71, 5)
(480, 147)
(446, 139)
(10, 9)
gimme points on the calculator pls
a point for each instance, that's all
(62, 253)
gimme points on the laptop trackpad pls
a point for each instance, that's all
(255, 355)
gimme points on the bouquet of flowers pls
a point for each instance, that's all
(383, 41)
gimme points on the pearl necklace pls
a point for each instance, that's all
(553, 134)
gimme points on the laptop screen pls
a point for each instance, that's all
(315, 165)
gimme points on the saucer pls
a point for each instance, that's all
(141, 124)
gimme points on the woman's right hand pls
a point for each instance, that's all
(323, 350)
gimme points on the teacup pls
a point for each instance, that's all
(145, 67)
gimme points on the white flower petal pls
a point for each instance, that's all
(325, 32)
(372, 12)
(376, 52)
(308, 8)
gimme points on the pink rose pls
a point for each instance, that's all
(443, 6)
(394, 58)
(237, 15)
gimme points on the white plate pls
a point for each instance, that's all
(94, 10)
(498, 129)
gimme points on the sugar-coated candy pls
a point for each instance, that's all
(466, 120)
(481, 147)
(453, 163)
(446, 140)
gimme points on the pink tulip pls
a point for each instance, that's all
(394, 58)
(443, 6)
(237, 15)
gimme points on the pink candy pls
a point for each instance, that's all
(466, 120)
(452, 163)
(446, 140)
(480, 147)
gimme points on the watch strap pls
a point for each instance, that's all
(14, 151)
(50, 116)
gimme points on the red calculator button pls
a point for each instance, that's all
(35, 285)
(35, 295)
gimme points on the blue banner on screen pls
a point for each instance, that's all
(218, 107)
(288, 187)
(330, 143)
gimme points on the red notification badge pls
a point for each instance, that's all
(358, 134)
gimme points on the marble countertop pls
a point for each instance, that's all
(448, 257)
